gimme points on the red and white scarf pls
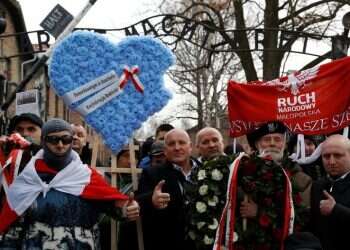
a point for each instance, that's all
(76, 179)
(228, 216)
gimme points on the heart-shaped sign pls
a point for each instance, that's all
(116, 87)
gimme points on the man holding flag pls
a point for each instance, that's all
(59, 198)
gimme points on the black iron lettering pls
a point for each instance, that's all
(148, 28)
(43, 42)
(130, 31)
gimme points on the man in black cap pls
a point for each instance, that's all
(270, 141)
(16, 152)
(27, 125)
(59, 198)
(157, 154)
(278, 186)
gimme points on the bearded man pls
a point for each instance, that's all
(264, 196)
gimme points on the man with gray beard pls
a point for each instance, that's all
(270, 141)
(266, 202)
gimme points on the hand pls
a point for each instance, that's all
(132, 208)
(160, 200)
(327, 205)
(248, 209)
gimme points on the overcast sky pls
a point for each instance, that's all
(112, 14)
(104, 13)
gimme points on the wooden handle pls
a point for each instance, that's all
(244, 222)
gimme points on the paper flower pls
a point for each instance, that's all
(201, 174)
(201, 207)
(203, 190)
(216, 175)
(84, 56)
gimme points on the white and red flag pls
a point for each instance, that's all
(313, 101)
(76, 179)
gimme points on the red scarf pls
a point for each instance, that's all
(228, 216)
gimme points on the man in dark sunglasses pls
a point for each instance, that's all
(59, 198)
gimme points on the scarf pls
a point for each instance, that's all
(228, 215)
(76, 179)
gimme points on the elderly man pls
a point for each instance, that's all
(79, 137)
(80, 143)
(261, 214)
(330, 197)
(58, 197)
(209, 143)
(162, 195)
(272, 165)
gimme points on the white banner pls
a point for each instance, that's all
(90, 87)
(99, 99)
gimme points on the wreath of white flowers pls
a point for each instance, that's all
(207, 200)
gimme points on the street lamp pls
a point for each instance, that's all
(340, 43)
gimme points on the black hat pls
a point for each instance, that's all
(157, 148)
(24, 117)
(267, 128)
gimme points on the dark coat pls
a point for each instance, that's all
(163, 228)
(332, 230)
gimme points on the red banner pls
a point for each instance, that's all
(313, 101)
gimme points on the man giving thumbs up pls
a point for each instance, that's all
(330, 198)
(162, 195)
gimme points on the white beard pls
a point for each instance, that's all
(274, 153)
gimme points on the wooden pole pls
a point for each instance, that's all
(114, 170)
(95, 146)
(114, 236)
(244, 222)
(134, 179)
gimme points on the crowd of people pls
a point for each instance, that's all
(50, 198)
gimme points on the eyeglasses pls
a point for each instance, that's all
(53, 139)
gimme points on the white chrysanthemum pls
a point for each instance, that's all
(200, 224)
(216, 175)
(203, 190)
(213, 201)
(201, 207)
(207, 240)
(235, 237)
(201, 175)
(192, 235)
(214, 225)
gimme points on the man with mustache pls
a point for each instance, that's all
(276, 180)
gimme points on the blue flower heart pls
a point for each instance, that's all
(83, 57)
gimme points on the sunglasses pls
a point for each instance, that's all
(53, 139)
